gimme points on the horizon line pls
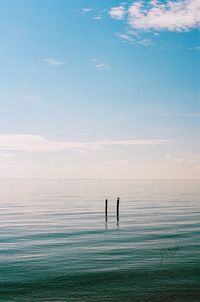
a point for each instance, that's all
(94, 178)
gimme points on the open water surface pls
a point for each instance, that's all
(55, 244)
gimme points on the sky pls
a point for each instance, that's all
(100, 89)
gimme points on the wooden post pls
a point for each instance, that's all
(106, 208)
(118, 208)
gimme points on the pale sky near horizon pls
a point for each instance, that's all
(100, 89)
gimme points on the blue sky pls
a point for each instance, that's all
(99, 89)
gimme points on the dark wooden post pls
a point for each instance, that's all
(106, 208)
(118, 208)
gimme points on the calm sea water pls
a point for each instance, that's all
(55, 244)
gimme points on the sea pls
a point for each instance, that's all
(57, 245)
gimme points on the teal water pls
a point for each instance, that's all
(55, 244)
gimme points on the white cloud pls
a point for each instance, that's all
(117, 12)
(101, 66)
(32, 143)
(36, 143)
(54, 62)
(178, 15)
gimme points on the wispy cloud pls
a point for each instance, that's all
(195, 48)
(186, 159)
(179, 15)
(36, 143)
(98, 17)
(127, 38)
(101, 66)
(54, 62)
(34, 99)
(118, 12)
(181, 115)
(93, 13)
(6, 158)
(145, 42)
(5, 155)
(86, 133)
(86, 10)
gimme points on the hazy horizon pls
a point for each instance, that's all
(91, 89)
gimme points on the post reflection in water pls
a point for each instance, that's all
(106, 222)
(117, 222)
